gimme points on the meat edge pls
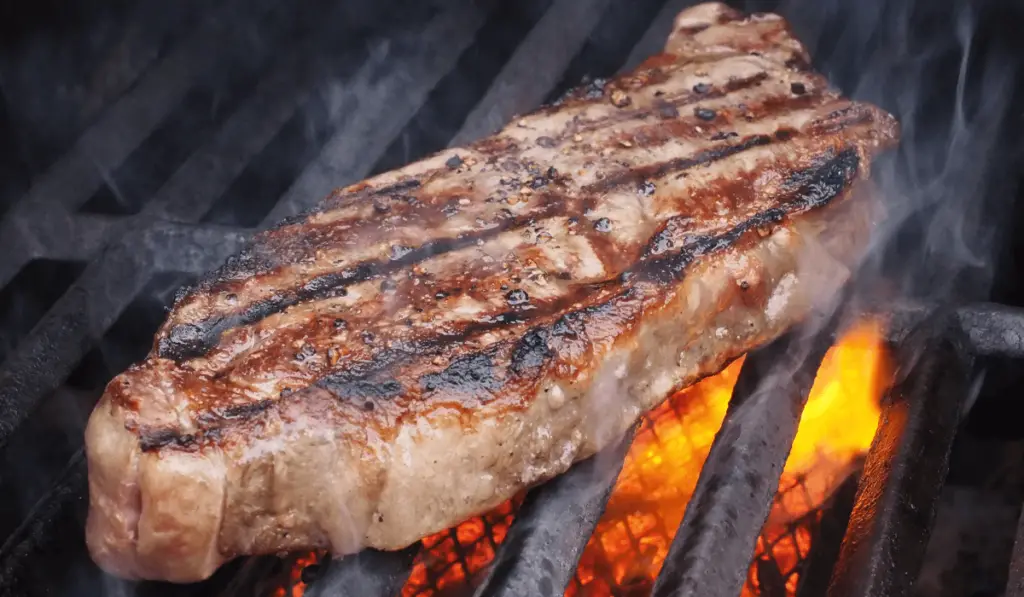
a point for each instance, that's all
(162, 514)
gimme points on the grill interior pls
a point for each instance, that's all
(143, 142)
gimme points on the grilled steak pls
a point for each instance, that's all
(429, 342)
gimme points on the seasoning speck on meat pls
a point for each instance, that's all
(705, 114)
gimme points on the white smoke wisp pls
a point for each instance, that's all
(940, 70)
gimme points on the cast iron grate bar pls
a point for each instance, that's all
(543, 546)
(991, 329)
(906, 466)
(712, 548)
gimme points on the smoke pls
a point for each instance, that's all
(944, 70)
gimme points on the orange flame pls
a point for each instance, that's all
(631, 541)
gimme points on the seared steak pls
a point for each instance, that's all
(429, 342)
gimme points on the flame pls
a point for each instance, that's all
(632, 538)
(836, 430)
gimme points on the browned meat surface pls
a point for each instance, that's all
(429, 342)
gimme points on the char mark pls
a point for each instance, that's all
(810, 188)
(345, 387)
(531, 353)
(155, 439)
(245, 411)
(634, 176)
(474, 375)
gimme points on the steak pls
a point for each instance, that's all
(425, 344)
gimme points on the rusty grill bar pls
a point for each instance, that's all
(444, 73)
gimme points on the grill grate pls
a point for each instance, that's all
(254, 111)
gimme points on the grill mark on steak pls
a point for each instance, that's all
(481, 373)
(190, 340)
(632, 176)
(811, 188)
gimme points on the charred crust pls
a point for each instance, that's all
(474, 374)
(346, 387)
(810, 188)
(531, 353)
(245, 411)
(183, 341)
(150, 440)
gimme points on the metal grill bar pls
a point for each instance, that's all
(93, 303)
(535, 68)
(991, 329)
(544, 544)
(994, 329)
(653, 40)
(380, 100)
(713, 546)
(106, 144)
(906, 467)
(814, 581)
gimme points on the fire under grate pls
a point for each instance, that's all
(338, 92)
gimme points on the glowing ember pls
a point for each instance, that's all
(450, 556)
(297, 588)
(660, 472)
